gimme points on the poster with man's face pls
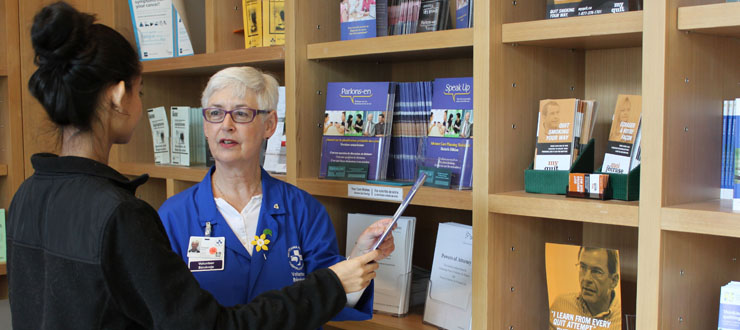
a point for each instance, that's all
(583, 286)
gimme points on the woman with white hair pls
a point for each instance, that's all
(274, 233)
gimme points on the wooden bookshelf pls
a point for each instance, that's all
(439, 44)
(585, 32)
(714, 217)
(201, 64)
(3, 268)
(188, 174)
(380, 322)
(191, 174)
(3, 169)
(686, 242)
(426, 196)
(719, 19)
(612, 212)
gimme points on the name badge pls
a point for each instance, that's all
(206, 253)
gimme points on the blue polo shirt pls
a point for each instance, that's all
(302, 240)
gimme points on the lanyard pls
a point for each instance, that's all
(208, 229)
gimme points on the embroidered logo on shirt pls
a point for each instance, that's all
(295, 258)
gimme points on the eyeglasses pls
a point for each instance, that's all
(242, 115)
(596, 272)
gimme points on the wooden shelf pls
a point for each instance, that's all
(379, 321)
(3, 169)
(426, 196)
(266, 57)
(612, 212)
(585, 32)
(181, 173)
(190, 174)
(3, 268)
(714, 217)
(3, 71)
(439, 44)
(720, 19)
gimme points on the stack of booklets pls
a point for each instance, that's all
(570, 8)
(730, 114)
(264, 22)
(464, 14)
(449, 145)
(159, 30)
(353, 108)
(160, 135)
(729, 307)
(410, 119)
(623, 152)
(377, 18)
(275, 153)
(564, 127)
(188, 139)
(449, 297)
(393, 278)
(587, 296)
(403, 16)
(731, 153)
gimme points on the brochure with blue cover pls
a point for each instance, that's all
(357, 19)
(352, 113)
(449, 143)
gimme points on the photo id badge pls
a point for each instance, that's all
(206, 253)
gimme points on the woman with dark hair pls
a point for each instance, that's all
(350, 124)
(458, 122)
(83, 251)
(358, 124)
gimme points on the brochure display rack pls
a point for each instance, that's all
(679, 55)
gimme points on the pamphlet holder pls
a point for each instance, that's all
(624, 187)
(403, 280)
(441, 305)
(556, 182)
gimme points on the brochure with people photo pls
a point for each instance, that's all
(449, 143)
(354, 126)
(358, 19)
(583, 287)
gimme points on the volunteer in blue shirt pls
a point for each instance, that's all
(273, 233)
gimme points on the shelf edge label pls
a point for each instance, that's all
(374, 192)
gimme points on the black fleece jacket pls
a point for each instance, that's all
(85, 253)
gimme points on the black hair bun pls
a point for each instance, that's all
(59, 33)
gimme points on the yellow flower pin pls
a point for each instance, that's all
(261, 242)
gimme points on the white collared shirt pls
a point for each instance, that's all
(244, 223)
